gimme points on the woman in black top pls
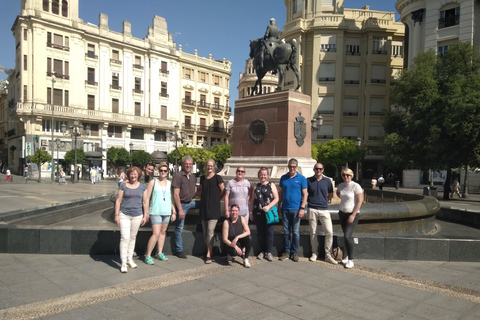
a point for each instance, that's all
(236, 235)
(264, 197)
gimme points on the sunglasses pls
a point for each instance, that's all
(241, 171)
(346, 175)
(163, 170)
(318, 168)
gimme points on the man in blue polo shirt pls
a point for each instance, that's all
(293, 194)
(320, 192)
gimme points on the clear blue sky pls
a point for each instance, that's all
(220, 27)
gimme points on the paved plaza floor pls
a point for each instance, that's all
(91, 287)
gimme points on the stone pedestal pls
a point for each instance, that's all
(264, 134)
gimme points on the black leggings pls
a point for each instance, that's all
(265, 233)
(242, 243)
(347, 229)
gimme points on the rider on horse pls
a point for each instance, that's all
(269, 40)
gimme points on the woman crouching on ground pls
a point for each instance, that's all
(131, 211)
(162, 211)
(236, 235)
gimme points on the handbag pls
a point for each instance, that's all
(337, 253)
(272, 215)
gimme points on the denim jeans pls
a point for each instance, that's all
(291, 224)
(179, 226)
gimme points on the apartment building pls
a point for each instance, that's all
(348, 60)
(128, 91)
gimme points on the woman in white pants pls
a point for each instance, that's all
(131, 211)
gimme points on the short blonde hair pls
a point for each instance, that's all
(163, 164)
(347, 171)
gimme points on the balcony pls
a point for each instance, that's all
(203, 104)
(58, 75)
(189, 102)
(217, 129)
(164, 94)
(11, 133)
(217, 106)
(379, 81)
(115, 87)
(91, 83)
(138, 66)
(351, 82)
(202, 127)
(115, 61)
(139, 91)
(57, 46)
(91, 55)
(449, 21)
(332, 79)
(379, 52)
(188, 126)
(163, 71)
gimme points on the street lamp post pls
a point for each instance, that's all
(131, 148)
(76, 131)
(52, 125)
(57, 144)
(359, 144)
(175, 136)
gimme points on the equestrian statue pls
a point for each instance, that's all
(269, 54)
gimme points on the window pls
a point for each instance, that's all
(397, 49)
(59, 41)
(47, 125)
(25, 62)
(114, 131)
(137, 133)
(188, 122)
(328, 3)
(56, 6)
(24, 93)
(325, 132)
(163, 89)
(91, 102)
(352, 75)
(66, 74)
(186, 73)
(378, 74)
(216, 126)
(353, 49)
(57, 96)
(115, 57)
(188, 97)
(65, 8)
(138, 85)
(442, 50)
(160, 136)
(163, 113)
(203, 124)
(138, 62)
(379, 45)
(203, 100)
(115, 81)
(58, 68)
(216, 80)
(375, 133)
(163, 68)
(327, 72)
(46, 5)
(349, 132)
(91, 51)
(297, 6)
(25, 34)
(326, 105)
(138, 109)
(93, 128)
(449, 17)
(202, 76)
(91, 76)
(350, 107)
(216, 102)
(377, 106)
(66, 101)
(115, 105)
(328, 43)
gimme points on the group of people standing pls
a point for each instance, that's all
(162, 202)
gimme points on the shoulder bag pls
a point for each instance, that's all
(272, 215)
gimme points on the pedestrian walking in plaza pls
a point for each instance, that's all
(374, 183)
(25, 173)
(237, 191)
(131, 212)
(320, 193)
(455, 189)
(184, 190)
(9, 176)
(162, 211)
(93, 175)
(264, 196)
(236, 235)
(211, 191)
(380, 182)
(293, 196)
(351, 196)
(61, 177)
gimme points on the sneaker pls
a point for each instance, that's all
(345, 260)
(161, 257)
(181, 255)
(295, 257)
(149, 260)
(283, 257)
(131, 264)
(246, 263)
(124, 269)
(313, 257)
(330, 259)
(349, 264)
(230, 259)
(260, 256)
(269, 257)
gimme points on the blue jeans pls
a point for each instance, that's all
(179, 226)
(291, 224)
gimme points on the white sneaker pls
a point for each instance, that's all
(261, 256)
(131, 264)
(345, 260)
(349, 264)
(313, 257)
(246, 263)
(124, 269)
(330, 259)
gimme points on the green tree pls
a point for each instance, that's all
(337, 152)
(118, 157)
(70, 156)
(182, 152)
(40, 157)
(434, 124)
(222, 152)
(140, 158)
(200, 157)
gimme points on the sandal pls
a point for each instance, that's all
(208, 260)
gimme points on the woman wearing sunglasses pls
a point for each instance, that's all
(351, 196)
(162, 211)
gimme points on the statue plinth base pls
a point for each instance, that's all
(279, 113)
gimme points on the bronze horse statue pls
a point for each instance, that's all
(284, 57)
